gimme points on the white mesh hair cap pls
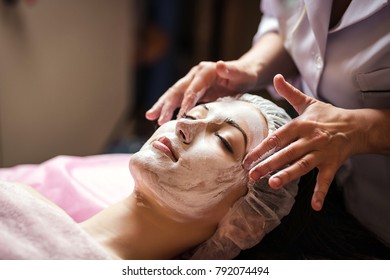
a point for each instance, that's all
(248, 221)
(275, 115)
(259, 211)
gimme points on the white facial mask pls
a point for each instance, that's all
(203, 175)
(190, 187)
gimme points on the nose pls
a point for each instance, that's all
(187, 129)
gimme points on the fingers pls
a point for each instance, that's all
(298, 147)
(214, 79)
(324, 179)
(227, 71)
(291, 172)
(277, 140)
(286, 134)
(294, 96)
(189, 100)
(163, 109)
(167, 110)
(223, 69)
(224, 74)
(185, 93)
(154, 112)
(204, 77)
(296, 170)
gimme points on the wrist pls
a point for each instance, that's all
(373, 134)
(268, 57)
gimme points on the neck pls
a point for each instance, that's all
(134, 230)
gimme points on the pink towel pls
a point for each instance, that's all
(82, 186)
(33, 229)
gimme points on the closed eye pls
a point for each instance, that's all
(225, 143)
(185, 116)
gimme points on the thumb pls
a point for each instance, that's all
(225, 70)
(234, 76)
(295, 97)
(229, 70)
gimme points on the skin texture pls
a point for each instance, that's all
(209, 80)
(184, 187)
(165, 201)
(323, 136)
(190, 182)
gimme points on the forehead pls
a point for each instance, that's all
(245, 114)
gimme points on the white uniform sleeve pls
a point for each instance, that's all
(268, 22)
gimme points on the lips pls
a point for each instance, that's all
(164, 145)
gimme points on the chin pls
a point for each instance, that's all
(144, 163)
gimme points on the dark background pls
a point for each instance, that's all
(172, 37)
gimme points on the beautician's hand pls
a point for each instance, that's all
(205, 82)
(322, 136)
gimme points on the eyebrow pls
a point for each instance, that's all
(234, 124)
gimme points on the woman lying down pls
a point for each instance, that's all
(192, 197)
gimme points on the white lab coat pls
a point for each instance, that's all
(349, 67)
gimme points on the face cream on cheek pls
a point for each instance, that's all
(192, 195)
(195, 201)
(191, 187)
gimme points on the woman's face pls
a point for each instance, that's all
(193, 165)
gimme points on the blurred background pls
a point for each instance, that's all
(77, 76)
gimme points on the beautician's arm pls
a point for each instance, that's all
(323, 136)
(268, 57)
(209, 80)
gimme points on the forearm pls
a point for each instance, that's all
(269, 57)
(375, 131)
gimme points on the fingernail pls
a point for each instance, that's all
(254, 175)
(181, 113)
(275, 182)
(160, 121)
(246, 164)
(318, 204)
(148, 114)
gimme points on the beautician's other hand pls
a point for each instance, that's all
(322, 136)
(205, 82)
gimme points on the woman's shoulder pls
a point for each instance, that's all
(20, 190)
